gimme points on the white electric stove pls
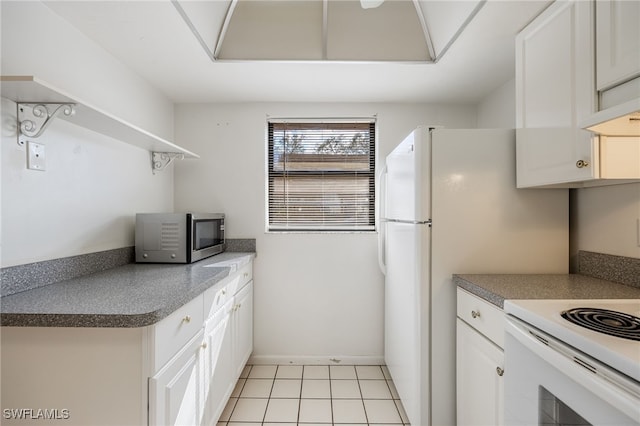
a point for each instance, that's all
(613, 339)
(572, 362)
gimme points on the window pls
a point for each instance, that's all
(321, 176)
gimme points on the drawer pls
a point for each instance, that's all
(216, 296)
(481, 315)
(245, 274)
(241, 277)
(173, 332)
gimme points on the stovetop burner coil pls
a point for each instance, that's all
(605, 321)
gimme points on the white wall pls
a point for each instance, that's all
(603, 219)
(36, 41)
(497, 110)
(86, 199)
(317, 295)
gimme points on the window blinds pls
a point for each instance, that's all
(321, 176)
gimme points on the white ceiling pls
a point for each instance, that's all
(154, 40)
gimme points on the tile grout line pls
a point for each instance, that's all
(273, 382)
(300, 396)
(330, 381)
(239, 394)
(364, 408)
(333, 420)
(386, 381)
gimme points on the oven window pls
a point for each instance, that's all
(553, 412)
(207, 233)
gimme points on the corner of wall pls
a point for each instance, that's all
(38, 42)
(497, 109)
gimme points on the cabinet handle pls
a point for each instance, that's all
(246, 274)
(499, 371)
(475, 314)
(186, 319)
(224, 291)
(582, 163)
(204, 345)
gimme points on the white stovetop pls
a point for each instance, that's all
(618, 353)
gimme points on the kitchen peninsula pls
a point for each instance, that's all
(129, 345)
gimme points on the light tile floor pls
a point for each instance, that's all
(314, 395)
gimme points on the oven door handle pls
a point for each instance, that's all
(571, 364)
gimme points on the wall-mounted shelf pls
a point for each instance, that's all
(30, 89)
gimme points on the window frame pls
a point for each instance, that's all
(371, 226)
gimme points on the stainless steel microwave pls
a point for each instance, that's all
(178, 237)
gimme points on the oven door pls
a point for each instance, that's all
(550, 383)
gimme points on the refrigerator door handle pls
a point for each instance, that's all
(382, 229)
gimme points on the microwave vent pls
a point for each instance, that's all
(170, 235)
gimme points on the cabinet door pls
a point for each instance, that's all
(219, 364)
(617, 42)
(243, 327)
(555, 90)
(480, 387)
(175, 391)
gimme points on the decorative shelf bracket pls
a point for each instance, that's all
(34, 118)
(162, 159)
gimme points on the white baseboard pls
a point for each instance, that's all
(315, 360)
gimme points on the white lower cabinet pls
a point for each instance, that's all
(176, 391)
(479, 380)
(479, 362)
(194, 386)
(179, 371)
(242, 324)
(218, 364)
(229, 338)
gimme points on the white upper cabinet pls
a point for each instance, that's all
(617, 42)
(556, 95)
(554, 92)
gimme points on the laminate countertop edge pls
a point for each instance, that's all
(496, 288)
(129, 296)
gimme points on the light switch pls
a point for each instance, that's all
(35, 156)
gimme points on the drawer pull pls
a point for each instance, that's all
(186, 319)
(204, 345)
(475, 314)
(246, 274)
(224, 291)
(499, 371)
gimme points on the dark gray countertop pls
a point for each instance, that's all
(496, 288)
(134, 295)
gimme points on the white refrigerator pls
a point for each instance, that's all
(449, 205)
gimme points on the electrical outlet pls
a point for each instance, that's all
(35, 156)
